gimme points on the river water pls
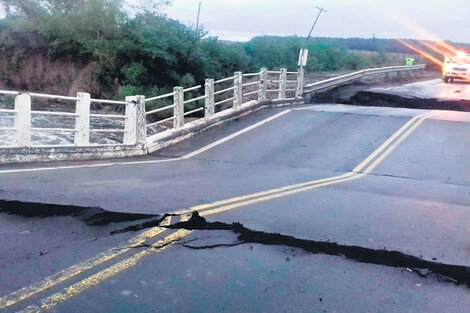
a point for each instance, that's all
(48, 138)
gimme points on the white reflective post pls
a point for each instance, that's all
(209, 105)
(263, 84)
(300, 83)
(130, 135)
(282, 84)
(141, 121)
(303, 58)
(179, 107)
(23, 120)
(238, 92)
(82, 121)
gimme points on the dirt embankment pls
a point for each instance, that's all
(35, 73)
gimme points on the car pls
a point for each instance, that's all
(456, 68)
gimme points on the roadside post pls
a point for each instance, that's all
(303, 57)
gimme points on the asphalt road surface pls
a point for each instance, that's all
(372, 180)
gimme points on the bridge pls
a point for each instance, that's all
(172, 117)
(291, 205)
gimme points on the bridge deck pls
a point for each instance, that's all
(414, 199)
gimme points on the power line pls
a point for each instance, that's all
(321, 10)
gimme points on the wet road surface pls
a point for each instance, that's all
(399, 182)
(434, 89)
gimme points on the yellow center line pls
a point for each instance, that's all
(288, 190)
(281, 195)
(206, 210)
(392, 148)
(200, 208)
(29, 291)
(390, 140)
(94, 280)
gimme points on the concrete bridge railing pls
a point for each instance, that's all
(169, 118)
(181, 112)
(22, 114)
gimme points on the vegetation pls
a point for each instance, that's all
(113, 50)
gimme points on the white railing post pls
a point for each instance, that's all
(141, 121)
(178, 112)
(130, 134)
(263, 84)
(209, 105)
(282, 84)
(300, 83)
(23, 120)
(238, 91)
(82, 121)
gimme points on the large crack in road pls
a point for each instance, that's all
(95, 216)
(91, 216)
(457, 274)
(381, 99)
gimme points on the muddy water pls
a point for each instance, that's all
(46, 138)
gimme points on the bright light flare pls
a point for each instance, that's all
(423, 33)
(430, 42)
(421, 52)
(443, 53)
(429, 57)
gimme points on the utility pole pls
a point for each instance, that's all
(321, 10)
(198, 14)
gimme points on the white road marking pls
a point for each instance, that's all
(185, 157)
(209, 209)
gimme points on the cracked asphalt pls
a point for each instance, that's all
(415, 202)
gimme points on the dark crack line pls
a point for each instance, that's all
(457, 274)
(220, 245)
(145, 225)
(92, 216)
(150, 246)
(333, 171)
(414, 178)
(144, 245)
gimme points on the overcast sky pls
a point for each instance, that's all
(243, 19)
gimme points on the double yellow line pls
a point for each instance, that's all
(366, 167)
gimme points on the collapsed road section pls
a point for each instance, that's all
(430, 94)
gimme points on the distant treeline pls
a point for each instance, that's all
(65, 46)
(382, 45)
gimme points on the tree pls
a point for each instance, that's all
(33, 8)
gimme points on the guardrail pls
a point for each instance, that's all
(214, 97)
(336, 81)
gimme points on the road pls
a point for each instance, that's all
(378, 179)
(434, 89)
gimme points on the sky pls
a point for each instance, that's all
(244, 19)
